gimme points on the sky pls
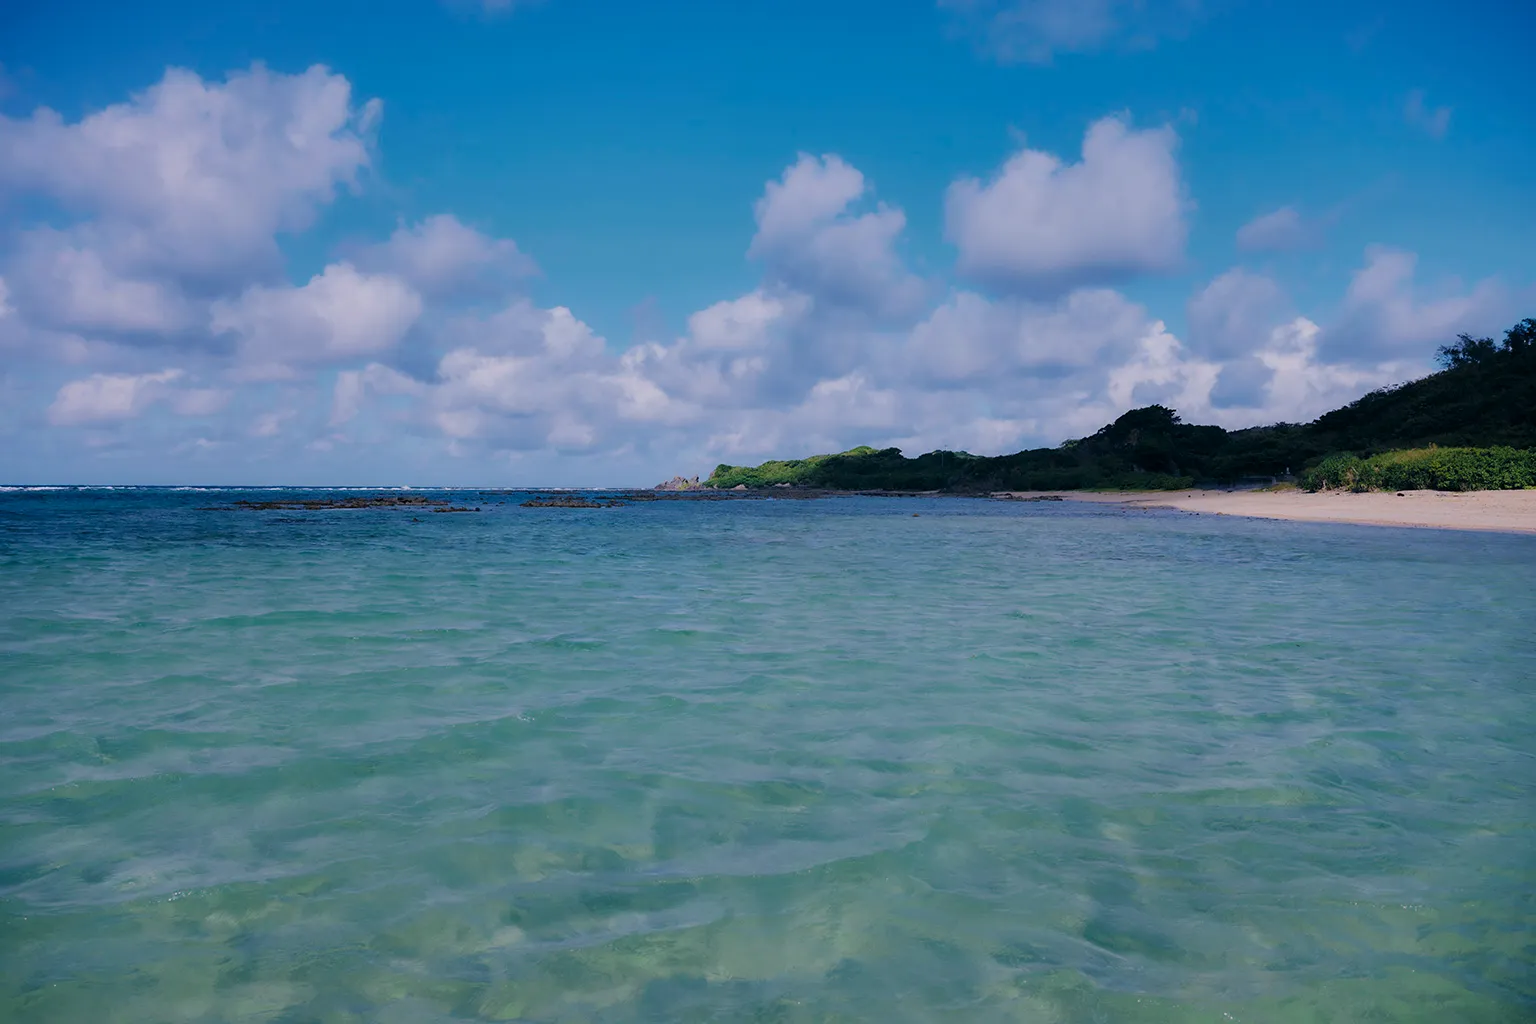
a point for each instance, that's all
(576, 243)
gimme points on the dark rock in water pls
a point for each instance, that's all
(692, 494)
(562, 501)
(457, 508)
(352, 501)
(1032, 497)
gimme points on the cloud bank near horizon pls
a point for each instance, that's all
(145, 305)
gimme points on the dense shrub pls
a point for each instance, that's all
(785, 471)
(1440, 469)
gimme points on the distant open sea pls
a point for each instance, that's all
(759, 760)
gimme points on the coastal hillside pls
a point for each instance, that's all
(1483, 398)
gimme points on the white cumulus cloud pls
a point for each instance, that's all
(340, 314)
(441, 257)
(1383, 316)
(1043, 226)
(1233, 315)
(64, 284)
(530, 378)
(971, 338)
(109, 397)
(353, 387)
(812, 242)
(193, 177)
(1285, 380)
(742, 323)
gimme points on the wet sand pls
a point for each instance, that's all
(1502, 511)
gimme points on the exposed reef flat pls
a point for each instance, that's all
(570, 502)
(418, 502)
(351, 501)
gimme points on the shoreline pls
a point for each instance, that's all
(1489, 511)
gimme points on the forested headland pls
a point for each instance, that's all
(1469, 426)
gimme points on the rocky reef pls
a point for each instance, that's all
(411, 501)
(570, 501)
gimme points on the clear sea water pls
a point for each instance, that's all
(759, 761)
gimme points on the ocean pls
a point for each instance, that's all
(848, 759)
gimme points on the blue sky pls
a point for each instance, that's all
(572, 242)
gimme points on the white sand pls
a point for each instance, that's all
(1503, 511)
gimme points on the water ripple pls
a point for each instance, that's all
(798, 761)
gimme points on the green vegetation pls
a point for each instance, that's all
(782, 471)
(1461, 428)
(1439, 469)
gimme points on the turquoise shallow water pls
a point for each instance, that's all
(760, 760)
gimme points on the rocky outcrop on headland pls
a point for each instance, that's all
(681, 483)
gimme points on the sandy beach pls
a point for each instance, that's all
(1501, 511)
